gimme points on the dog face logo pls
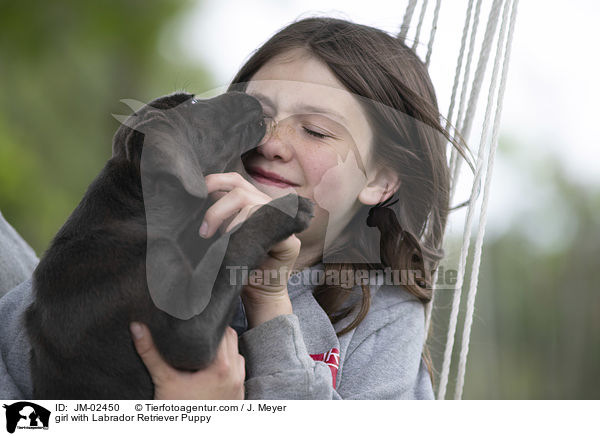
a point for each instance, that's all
(26, 415)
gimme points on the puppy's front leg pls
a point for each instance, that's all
(192, 343)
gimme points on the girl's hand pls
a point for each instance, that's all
(266, 295)
(222, 380)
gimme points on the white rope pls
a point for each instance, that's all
(420, 24)
(464, 124)
(436, 15)
(429, 306)
(481, 67)
(485, 49)
(463, 96)
(459, 63)
(455, 164)
(488, 181)
(450, 116)
(408, 13)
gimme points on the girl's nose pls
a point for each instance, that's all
(277, 142)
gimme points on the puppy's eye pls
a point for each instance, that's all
(269, 124)
(267, 120)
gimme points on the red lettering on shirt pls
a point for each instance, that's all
(332, 359)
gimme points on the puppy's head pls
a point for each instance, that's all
(179, 137)
(174, 142)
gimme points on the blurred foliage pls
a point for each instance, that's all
(536, 327)
(65, 65)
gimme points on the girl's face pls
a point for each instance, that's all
(320, 145)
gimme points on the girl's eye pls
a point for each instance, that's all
(315, 134)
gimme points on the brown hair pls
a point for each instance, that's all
(401, 107)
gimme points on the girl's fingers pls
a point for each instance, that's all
(227, 182)
(230, 342)
(283, 253)
(227, 207)
(157, 367)
(241, 194)
(232, 363)
(237, 361)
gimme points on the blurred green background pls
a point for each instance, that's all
(65, 65)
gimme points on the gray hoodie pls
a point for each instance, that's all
(299, 356)
(289, 357)
(17, 258)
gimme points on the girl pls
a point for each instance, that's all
(356, 129)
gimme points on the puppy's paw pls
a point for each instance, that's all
(296, 212)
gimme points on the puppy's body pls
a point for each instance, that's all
(139, 211)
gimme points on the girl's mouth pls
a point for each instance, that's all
(268, 178)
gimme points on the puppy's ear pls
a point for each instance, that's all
(167, 150)
(155, 139)
(124, 133)
(122, 138)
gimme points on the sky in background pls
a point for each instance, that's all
(553, 90)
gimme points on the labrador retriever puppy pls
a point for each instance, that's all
(131, 251)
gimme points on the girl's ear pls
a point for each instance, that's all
(381, 187)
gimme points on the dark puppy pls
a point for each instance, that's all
(130, 251)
